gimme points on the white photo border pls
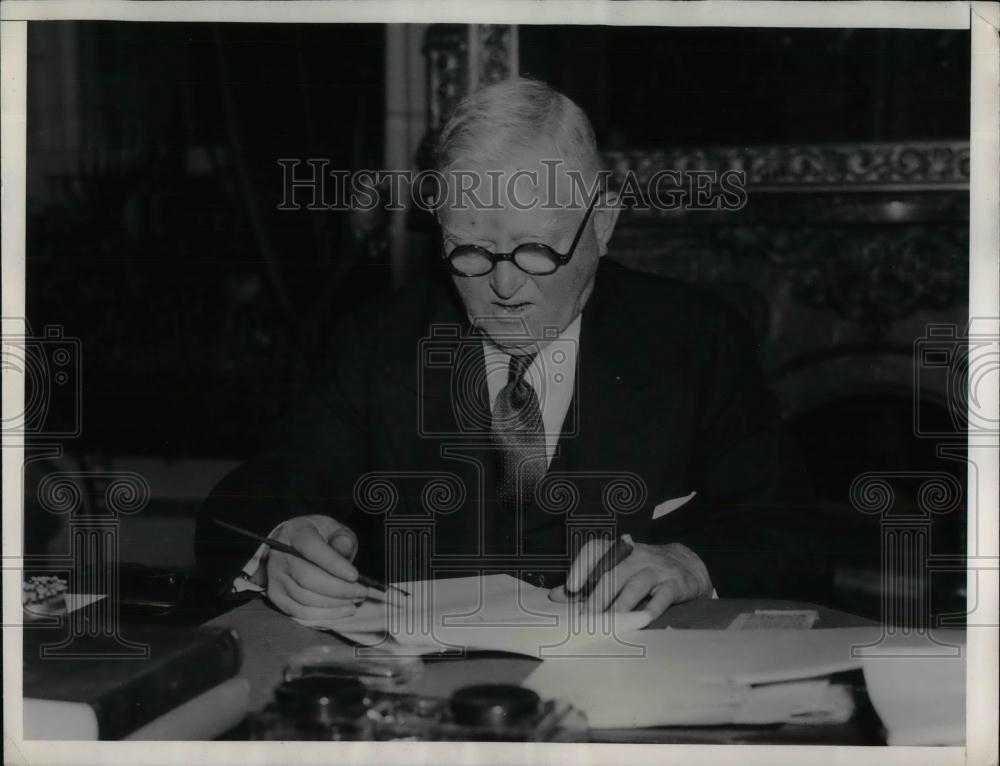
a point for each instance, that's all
(983, 20)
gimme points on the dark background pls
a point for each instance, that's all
(160, 247)
(698, 86)
(154, 237)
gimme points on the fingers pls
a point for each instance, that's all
(322, 587)
(697, 580)
(558, 594)
(310, 577)
(585, 560)
(672, 571)
(281, 598)
(307, 540)
(314, 597)
(666, 595)
(345, 543)
(611, 584)
(339, 537)
(636, 589)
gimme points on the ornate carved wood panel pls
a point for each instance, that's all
(840, 253)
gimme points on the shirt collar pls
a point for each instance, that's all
(557, 355)
(571, 333)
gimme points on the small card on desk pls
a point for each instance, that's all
(775, 619)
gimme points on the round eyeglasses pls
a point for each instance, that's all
(533, 258)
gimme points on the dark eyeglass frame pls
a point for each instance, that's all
(558, 259)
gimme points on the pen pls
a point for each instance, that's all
(611, 558)
(277, 545)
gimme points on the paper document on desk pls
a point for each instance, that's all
(705, 677)
(495, 612)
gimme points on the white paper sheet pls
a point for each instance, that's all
(76, 601)
(496, 612)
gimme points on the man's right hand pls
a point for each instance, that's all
(325, 587)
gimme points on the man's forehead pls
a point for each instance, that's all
(525, 182)
(509, 220)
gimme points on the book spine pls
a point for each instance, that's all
(171, 681)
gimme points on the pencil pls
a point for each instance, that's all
(277, 545)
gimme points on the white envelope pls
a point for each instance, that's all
(668, 506)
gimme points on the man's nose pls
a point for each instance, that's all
(507, 279)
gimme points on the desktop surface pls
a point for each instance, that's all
(270, 638)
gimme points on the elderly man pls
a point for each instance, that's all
(556, 366)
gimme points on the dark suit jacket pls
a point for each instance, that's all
(669, 400)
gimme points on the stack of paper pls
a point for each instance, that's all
(815, 701)
(496, 612)
(917, 686)
(693, 677)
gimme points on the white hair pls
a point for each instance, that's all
(492, 123)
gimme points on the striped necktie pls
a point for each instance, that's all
(519, 435)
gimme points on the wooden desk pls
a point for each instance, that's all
(270, 638)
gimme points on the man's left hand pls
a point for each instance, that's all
(669, 574)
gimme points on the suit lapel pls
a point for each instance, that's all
(620, 408)
(439, 420)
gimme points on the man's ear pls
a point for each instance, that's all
(606, 213)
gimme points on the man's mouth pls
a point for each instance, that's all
(513, 307)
